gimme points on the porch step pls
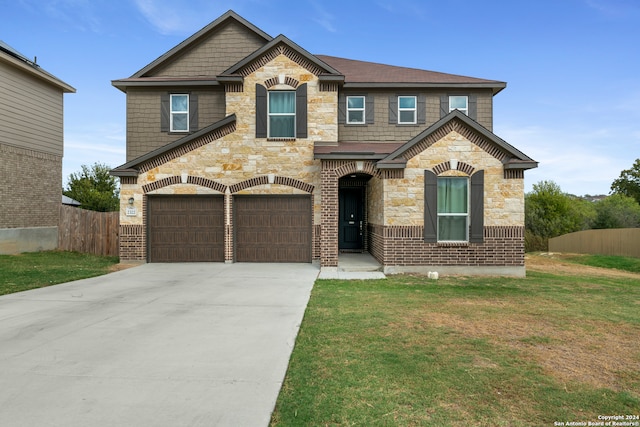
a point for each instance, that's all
(358, 262)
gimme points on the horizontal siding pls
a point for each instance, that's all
(143, 117)
(214, 54)
(32, 112)
(381, 130)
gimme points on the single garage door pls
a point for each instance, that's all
(185, 228)
(272, 228)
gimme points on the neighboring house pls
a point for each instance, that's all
(31, 148)
(68, 201)
(242, 147)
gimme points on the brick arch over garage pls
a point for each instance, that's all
(195, 180)
(264, 179)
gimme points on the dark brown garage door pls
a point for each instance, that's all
(272, 228)
(186, 228)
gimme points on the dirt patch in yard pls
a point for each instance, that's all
(123, 266)
(550, 262)
(602, 354)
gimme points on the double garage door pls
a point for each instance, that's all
(266, 228)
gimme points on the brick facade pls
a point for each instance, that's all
(29, 175)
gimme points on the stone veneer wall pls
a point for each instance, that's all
(234, 161)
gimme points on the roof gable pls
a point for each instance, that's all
(229, 18)
(277, 46)
(459, 122)
(177, 148)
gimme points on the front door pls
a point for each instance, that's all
(351, 219)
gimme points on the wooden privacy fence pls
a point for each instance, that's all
(612, 241)
(88, 231)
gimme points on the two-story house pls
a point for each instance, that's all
(31, 149)
(242, 147)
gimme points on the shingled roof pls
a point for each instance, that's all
(371, 74)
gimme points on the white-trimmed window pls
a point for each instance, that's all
(453, 209)
(282, 114)
(407, 110)
(179, 113)
(459, 102)
(356, 110)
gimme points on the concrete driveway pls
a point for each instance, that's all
(156, 345)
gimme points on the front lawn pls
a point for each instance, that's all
(38, 269)
(465, 351)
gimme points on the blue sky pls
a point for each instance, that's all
(572, 66)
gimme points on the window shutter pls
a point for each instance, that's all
(430, 207)
(422, 109)
(369, 109)
(193, 113)
(476, 234)
(473, 106)
(301, 111)
(444, 105)
(164, 112)
(393, 110)
(261, 111)
(342, 109)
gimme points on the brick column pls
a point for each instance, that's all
(228, 226)
(329, 219)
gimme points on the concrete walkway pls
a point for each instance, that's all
(155, 345)
(354, 266)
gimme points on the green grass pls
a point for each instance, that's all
(38, 269)
(604, 261)
(465, 351)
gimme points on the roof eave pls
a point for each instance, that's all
(131, 166)
(123, 84)
(496, 87)
(349, 156)
(36, 71)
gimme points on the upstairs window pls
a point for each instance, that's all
(453, 209)
(282, 114)
(407, 110)
(356, 110)
(179, 113)
(457, 102)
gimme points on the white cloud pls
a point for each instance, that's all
(324, 18)
(580, 162)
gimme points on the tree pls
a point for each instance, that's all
(629, 182)
(549, 213)
(617, 211)
(94, 188)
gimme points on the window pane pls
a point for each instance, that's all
(355, 102)
(407, 116)
(282, 126)
(407, 101)
(459, 102)
(452, 228)
(179, 103)
(452, 195)
(282, 102)
(356, 117)
(180, 121)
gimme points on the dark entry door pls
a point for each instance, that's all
(351, 219)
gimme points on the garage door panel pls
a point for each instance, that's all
(186, 228)
(272, 228)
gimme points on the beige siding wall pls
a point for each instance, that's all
(31, 111)
(214, 54)
(503, 198)
(143, 117)
(382, 130)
